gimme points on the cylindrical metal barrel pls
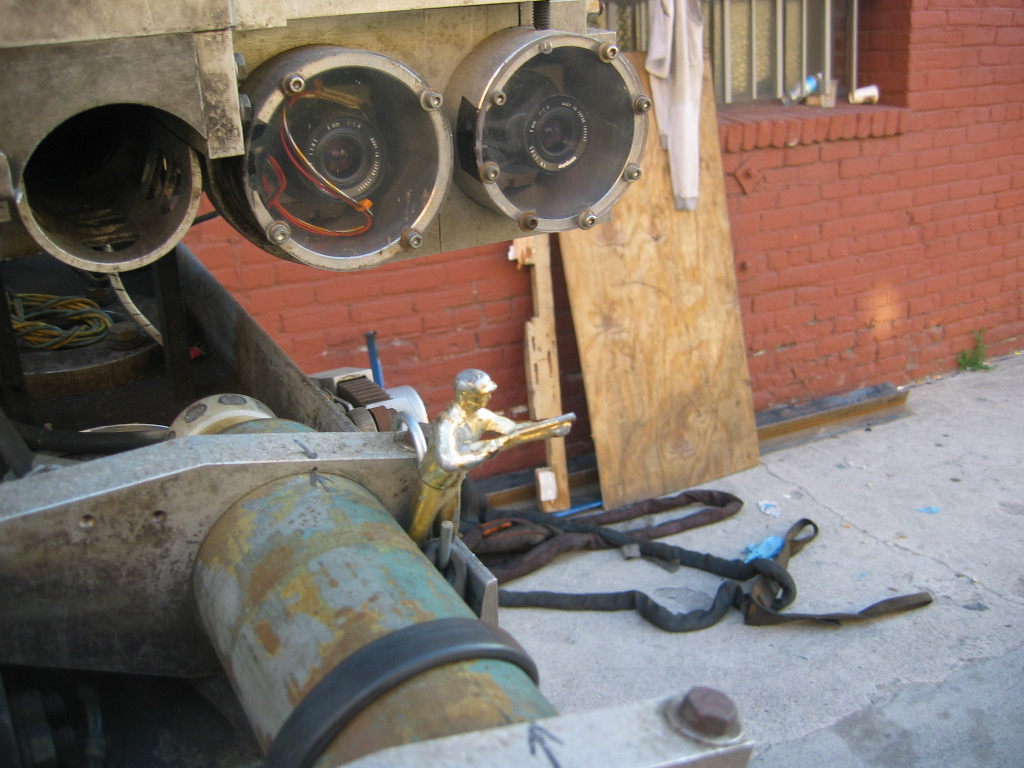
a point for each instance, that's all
(306, 570)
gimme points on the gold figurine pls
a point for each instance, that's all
(462, 436)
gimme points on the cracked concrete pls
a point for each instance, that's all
(933, 501)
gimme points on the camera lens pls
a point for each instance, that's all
(557, 133)
(349, 153)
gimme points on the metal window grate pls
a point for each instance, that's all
(759, 49)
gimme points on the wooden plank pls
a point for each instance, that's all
(656, 312)
(542, 373)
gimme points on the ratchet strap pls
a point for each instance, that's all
(377, 668)
(521, 542)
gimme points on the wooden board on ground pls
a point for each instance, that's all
(657, 319)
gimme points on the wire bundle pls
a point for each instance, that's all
(42, 321)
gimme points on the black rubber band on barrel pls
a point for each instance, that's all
(377, 668)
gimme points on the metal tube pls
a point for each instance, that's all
(727, 48)
(827, 43)
(853, 45)
(753, 49)
(306, 570)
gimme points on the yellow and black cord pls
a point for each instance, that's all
(42, 321)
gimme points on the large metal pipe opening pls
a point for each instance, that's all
(110, 189)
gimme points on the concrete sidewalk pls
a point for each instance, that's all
(933, 501)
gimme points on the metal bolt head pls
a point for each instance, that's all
(293, 84)
(586, 220)
(528, 221)
(241, 67)
(709, 712)
(608, 52)
(632, 173)
(431, 100)
(498, 98)
(489, 172)
(545, 47)
(641, 104)
(279, 233)
(412, 239)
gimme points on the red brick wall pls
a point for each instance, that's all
(873, 255)
(870, 242)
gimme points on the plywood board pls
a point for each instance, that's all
(657, 319)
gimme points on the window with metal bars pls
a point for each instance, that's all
(759, 49)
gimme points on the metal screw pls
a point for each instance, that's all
(709, 712)
(545, 47)
(412, 239)
(632, 173)
(608, 51)
(431, 100)
(293, 84)
(194, 412)
(586, 220)
(231, 399)
(528, 221)
(498, 98)
(279, 233)
(641, 104)
(489, 172)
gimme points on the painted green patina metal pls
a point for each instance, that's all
(302, 572)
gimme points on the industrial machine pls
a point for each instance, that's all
(205, 556)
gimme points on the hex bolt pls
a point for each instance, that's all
(489, 172)
(412, 239)
(498, 98)
(431, 100)
(709, 712)
(608, 52)
(241, 67)
(244, 108)
(632, 173)
(279, 233)
(641, 104)
(528, 221)
(293, 84)
(586, 220)
(124, 335)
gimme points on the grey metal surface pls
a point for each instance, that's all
(96, 559)
(638, 735)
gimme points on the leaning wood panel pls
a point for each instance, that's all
(654, 303)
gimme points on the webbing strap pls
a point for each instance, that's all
(772, 590)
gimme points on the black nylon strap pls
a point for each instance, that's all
(377, 668)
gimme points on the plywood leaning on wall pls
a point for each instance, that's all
(657, 319)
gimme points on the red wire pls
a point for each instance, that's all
(282, 184)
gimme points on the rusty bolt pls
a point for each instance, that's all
(709, 712)
(124, 335)
(528, 221)
(489, 172)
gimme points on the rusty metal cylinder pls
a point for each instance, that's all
(303, 572)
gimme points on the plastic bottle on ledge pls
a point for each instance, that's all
(802, 90)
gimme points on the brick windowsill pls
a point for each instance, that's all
(745, 127)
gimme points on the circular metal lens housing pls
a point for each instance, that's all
(557, 142)
(350, 161)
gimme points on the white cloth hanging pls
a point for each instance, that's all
(675, 61)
